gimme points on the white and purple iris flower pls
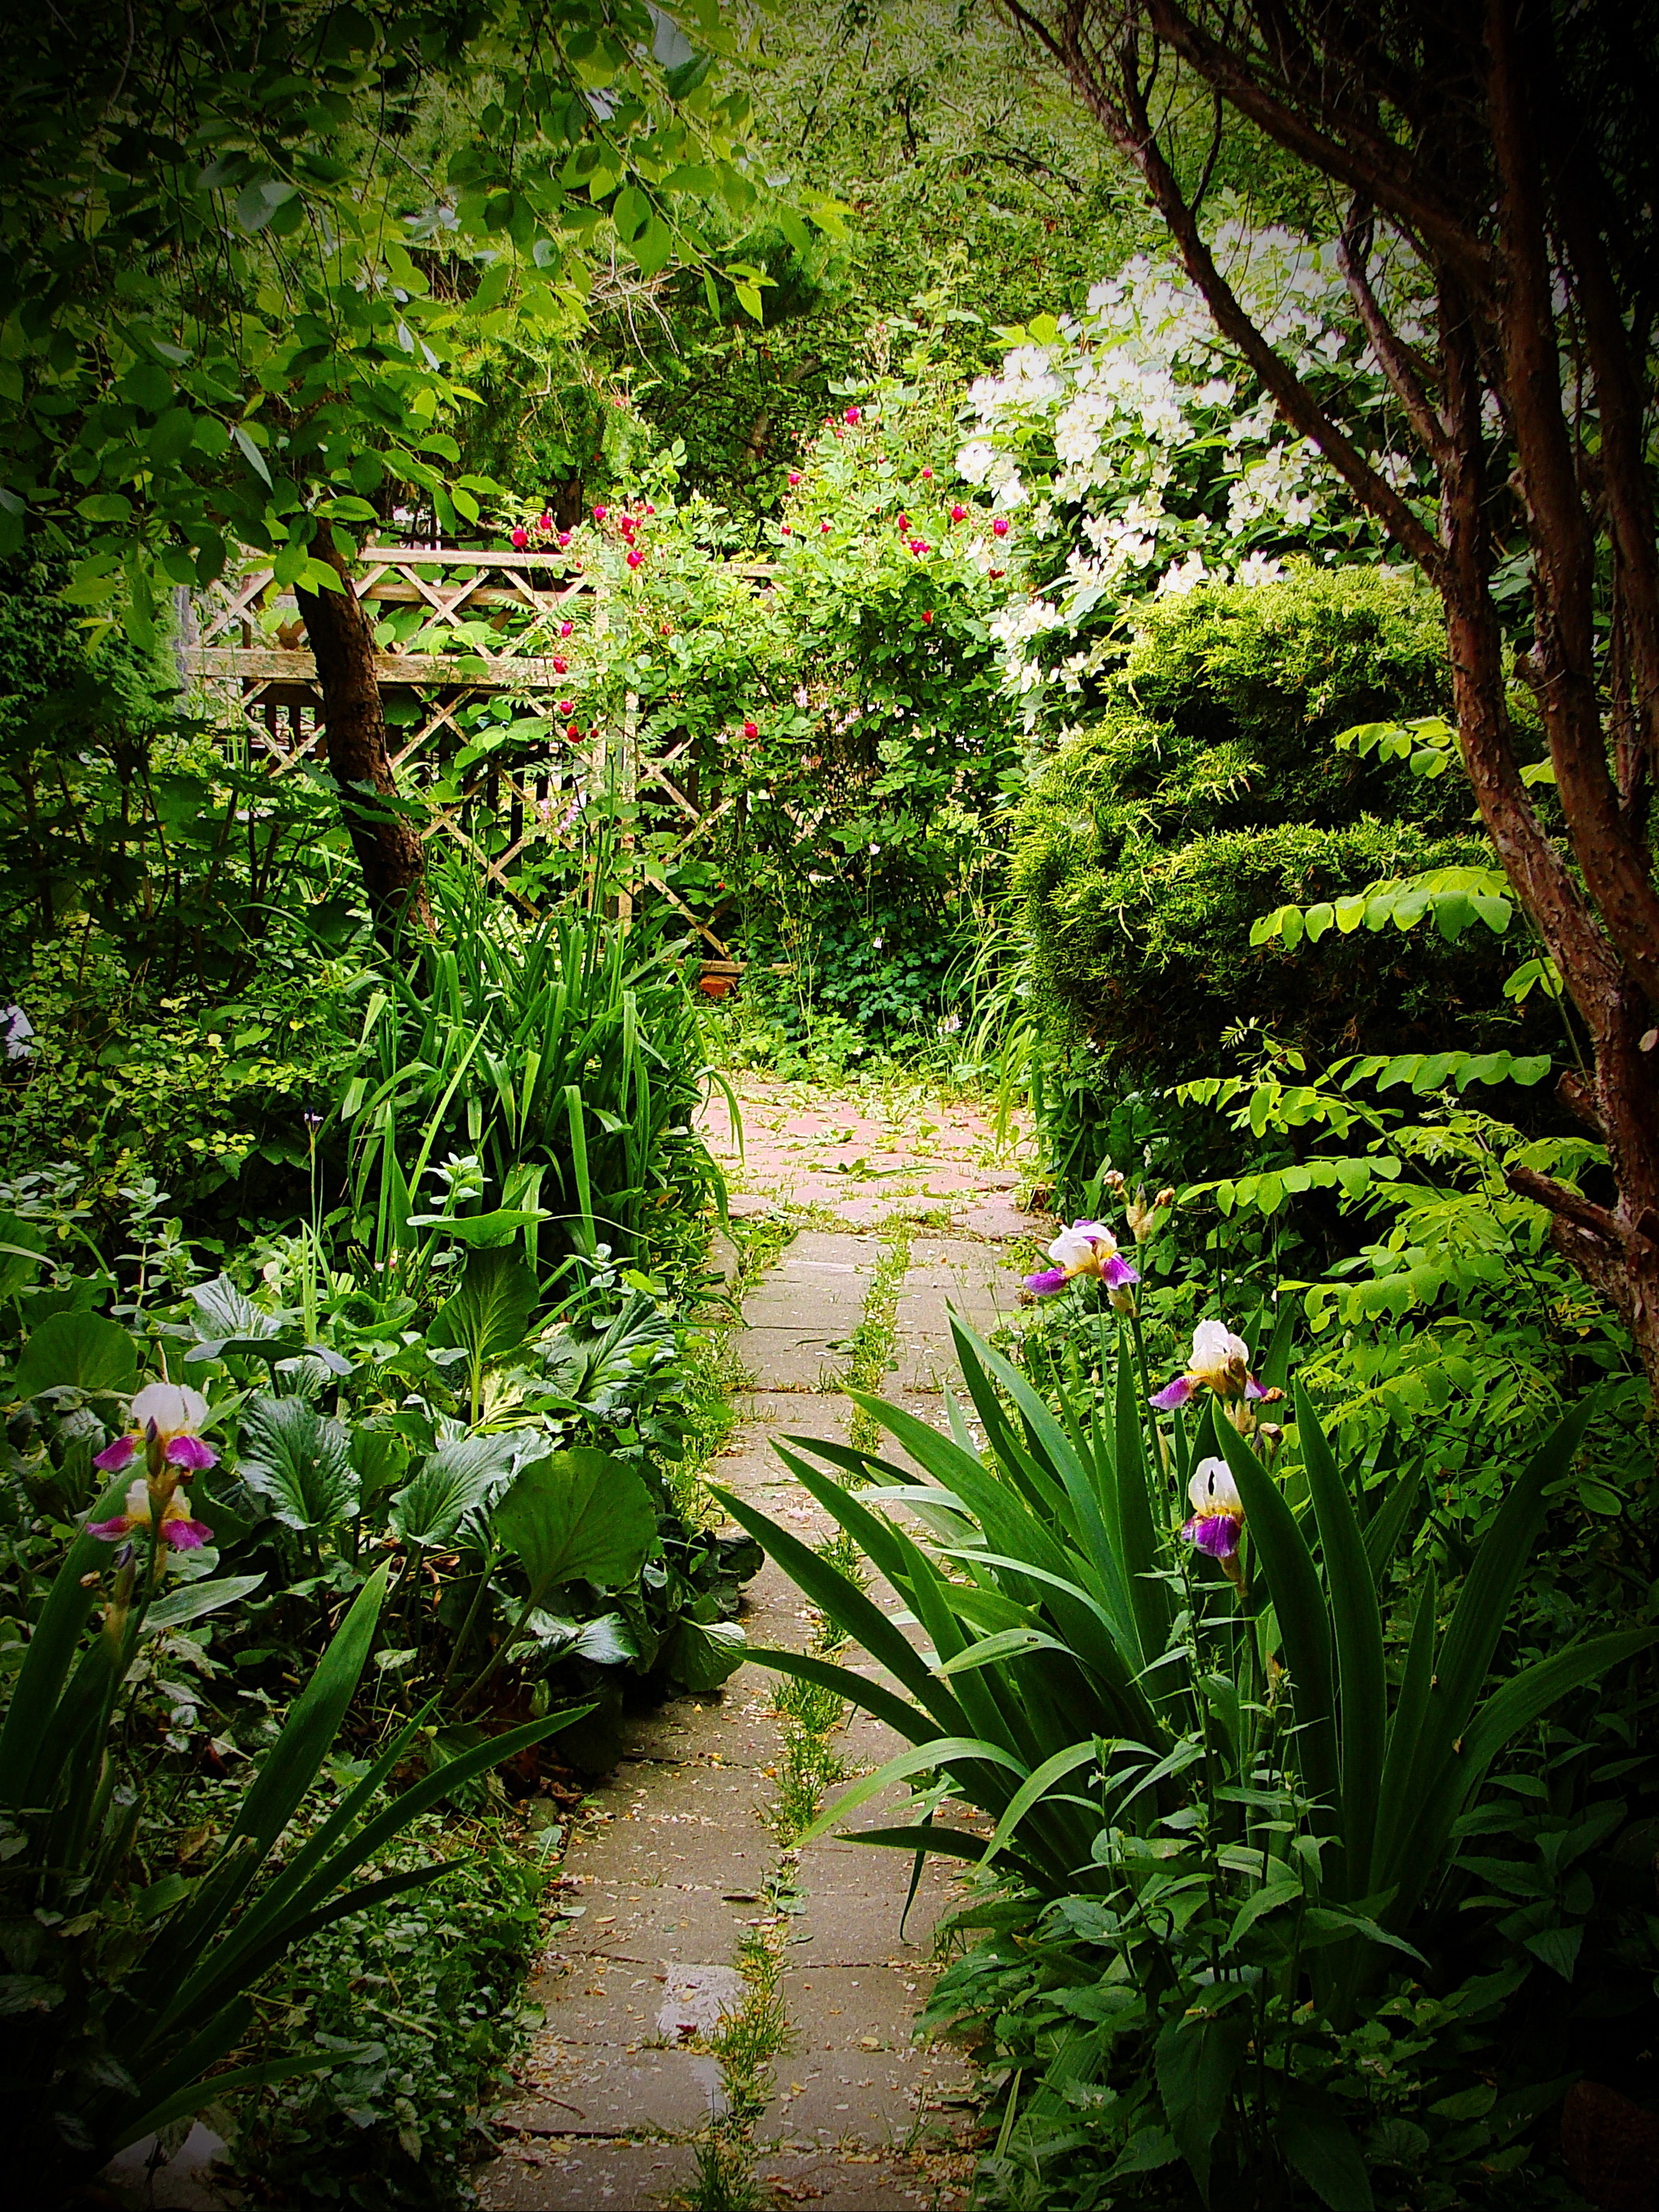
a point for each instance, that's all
(1220, 1361)
(1218, 1520)
(1087, 1248)
(178, 1528)
(169, 1415)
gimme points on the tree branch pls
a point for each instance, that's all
(1398, 364)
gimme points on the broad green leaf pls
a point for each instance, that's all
(1195, 2058)
(1316, 2140)
(487, 1230)
(77, 1351)
(190, 1601)
(223, 1312)
(928, 1758)
(1357, 1627)
(301, 1460)
(490, 1314)
(578, 1516)
(703, 1654)
(459, 1478)
(1036, 1785)
(1303, 1619)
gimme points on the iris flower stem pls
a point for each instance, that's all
(464, 1636)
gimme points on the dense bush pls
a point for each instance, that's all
(1209, 793)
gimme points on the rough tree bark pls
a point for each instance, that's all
(1507, 145)
(388, 848)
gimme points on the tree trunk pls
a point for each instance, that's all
(1466, 137)
(388, 848)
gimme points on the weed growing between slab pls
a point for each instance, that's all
(712, 1374)
(875, 1337)
(809, 1764)
(745, 2044)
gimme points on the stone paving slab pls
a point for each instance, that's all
(586, 2176)
(864, 2181)
(864, 1159)
(798, 1320)
(874, 2098)
(643, 1926)
(871, 2007)
(976, 1280)
(606, 2089)
(671, 1874)
(729, 1729)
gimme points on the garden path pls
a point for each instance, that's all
(685, 1911)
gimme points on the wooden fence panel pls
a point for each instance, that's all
(270, 695)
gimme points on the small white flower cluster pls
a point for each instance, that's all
(1170, 468)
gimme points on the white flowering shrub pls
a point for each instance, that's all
(1135, 454)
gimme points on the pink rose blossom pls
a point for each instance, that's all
(851, 416)
(794, 476)
(520, 539)
(999, 526)
(959, 513)
(565, 628)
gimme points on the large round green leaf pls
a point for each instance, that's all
(491, 1313)
(704, 1653)
(578, 1516)
(77, 1351)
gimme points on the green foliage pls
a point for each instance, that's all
(1157, 850)
(236, 308)
(121, 2002)
(977, 197)
(560, 1060)
(414, 2010)
(1215, 1828)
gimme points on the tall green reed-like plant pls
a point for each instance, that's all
(1200, 1775)
(563, 1053)
(1068, 1694)
(117, 2009)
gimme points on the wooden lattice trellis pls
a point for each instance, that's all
(272, 694)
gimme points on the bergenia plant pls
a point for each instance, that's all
(1087, 1248)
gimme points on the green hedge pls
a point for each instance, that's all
(1211, 792)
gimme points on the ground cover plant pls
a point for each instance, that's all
(1247, 1731)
